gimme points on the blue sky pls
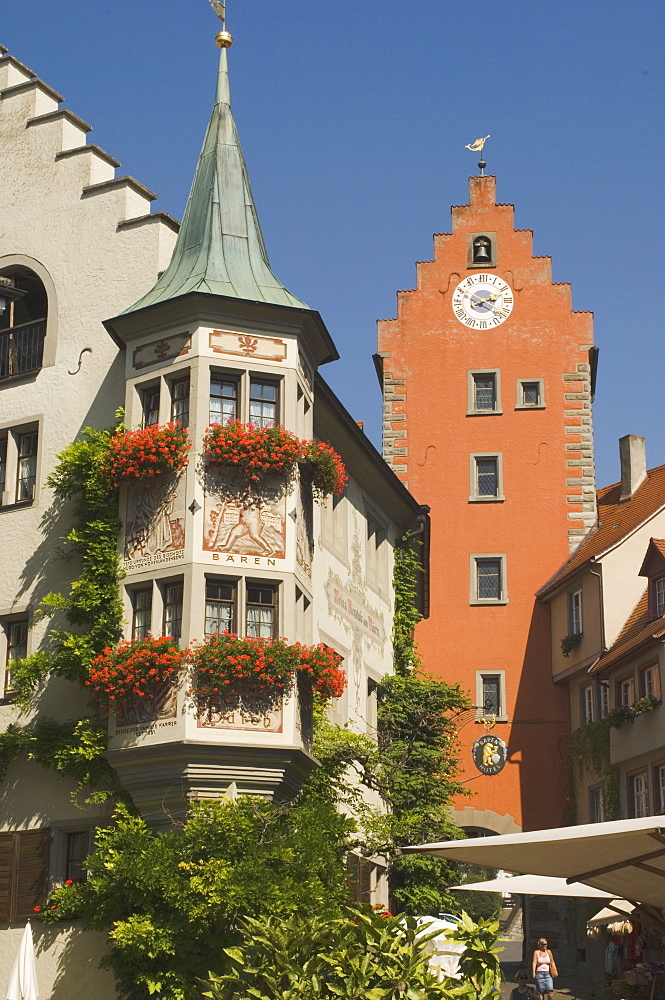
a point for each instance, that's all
(353, 118)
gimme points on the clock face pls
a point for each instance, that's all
(483, 301)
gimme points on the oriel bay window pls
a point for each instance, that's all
(251, 603)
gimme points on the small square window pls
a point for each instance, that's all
(530, 393)
(223, 400)
(220, 606)
(180, 402)
(484, 392)
(490, 695)
(488, 579)
(261, 610)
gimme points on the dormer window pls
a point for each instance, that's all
(23, 309)
(653, 568)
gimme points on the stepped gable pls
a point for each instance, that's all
(28, 102)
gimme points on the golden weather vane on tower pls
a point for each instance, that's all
(223, 39)
(477, 147)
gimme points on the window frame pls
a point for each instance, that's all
(134, 593)
(472, 409)
(147, 395)
(627, 679)
(644, 793)
(521, 383)
(575, 611)
(182, 378)
(474, 495)
(659, 785)
(651, 670)
(481, 677)
(475, 560)
(658, 596)
(587, 704)
(165, 587)
(219, 581)
(255, 378)
(596, 804)
(8, 622)
(234, 379)
(268, 585)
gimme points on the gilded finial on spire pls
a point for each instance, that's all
(475, 147)
(223, 39)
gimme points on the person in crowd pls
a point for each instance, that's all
(523, 991)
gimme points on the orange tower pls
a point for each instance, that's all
(487, 379)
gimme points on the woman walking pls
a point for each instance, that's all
(544, 970)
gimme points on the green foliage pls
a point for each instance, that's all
(406, 616)
(479, 963)
(570, 642)
(362, 955)
(171, 899)
(589, 753)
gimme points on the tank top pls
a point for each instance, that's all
(543, 963)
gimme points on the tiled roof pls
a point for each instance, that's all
(615, 521)
(639, 628)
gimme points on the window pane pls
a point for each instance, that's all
(151, 406)
(660, 596)
(486, 477)
(488, 578)
(173, 610)
(491, 696)
(263, 404)
(530, 393)
(27, 466)
(17, 647)
(484, 389)
(223, 401)
(180, 402)
(640, 795)
(220, 606)
(142, 617)
(575, 613)
(261, 612)
(78, 848)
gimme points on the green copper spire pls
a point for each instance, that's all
(220, 248)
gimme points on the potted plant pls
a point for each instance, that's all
(137, 671)
(252, 452)
(146, 452)
(324, 468)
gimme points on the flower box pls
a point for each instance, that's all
(146, 452)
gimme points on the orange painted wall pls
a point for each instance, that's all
(547, 484)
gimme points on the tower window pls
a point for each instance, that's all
(481, 250)
(484, 392)
(530, 394)
(488, 579)
(486, 479)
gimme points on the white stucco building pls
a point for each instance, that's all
(106, 306)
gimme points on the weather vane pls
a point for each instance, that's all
(475, 147)
(223, 39)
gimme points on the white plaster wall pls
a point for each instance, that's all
(67, 960)
(622, 587)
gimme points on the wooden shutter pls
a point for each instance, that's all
(32, 877)
(24, 867)
(6, 845)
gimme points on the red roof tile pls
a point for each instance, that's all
(615, 521)
(639, 628)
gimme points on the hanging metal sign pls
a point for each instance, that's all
(489, 754)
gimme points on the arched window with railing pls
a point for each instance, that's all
(23, 313)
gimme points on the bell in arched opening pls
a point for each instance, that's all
(482, 250)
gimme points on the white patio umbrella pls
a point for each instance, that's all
(22, 983)
(536, 885)
(626, 857)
